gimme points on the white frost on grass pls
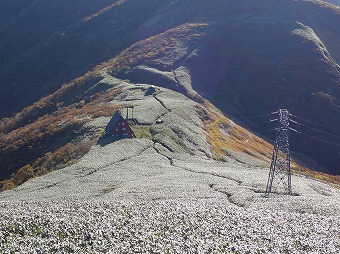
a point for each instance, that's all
(308, 34)
(176, 226)
(135, 195)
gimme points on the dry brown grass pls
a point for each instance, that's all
(24, 174)
(224, 136)
(334, 180)
(49, 162)
(63, 120)
(47, 105)
(62, 157)
(238, 139)
(142, 131)
(46, 144)
(152, 47)
(106, 9)
(41, 134)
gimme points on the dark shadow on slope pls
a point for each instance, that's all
(107, 140)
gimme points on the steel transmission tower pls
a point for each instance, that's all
(279, 180)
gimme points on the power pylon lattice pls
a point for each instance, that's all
(279, 180)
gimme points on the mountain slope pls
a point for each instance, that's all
(250, 62)
(165, 193)
(58, 130)
(138, 194)
(46, 43)
(64, 128)
(246, 58)
(193, 181)
(335, 2)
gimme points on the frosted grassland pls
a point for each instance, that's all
(166, 196)
(165, 226)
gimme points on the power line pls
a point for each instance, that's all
(20, 157)
(36, 156)
(270, 121)
(338, 136)
(41, 140)
(319, 139)
(315, 122)
(258, 116)
(275, 129)
(51, 149)
(304, 125)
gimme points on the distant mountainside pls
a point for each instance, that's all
(335, 2)
(46, 43)
(248, 58)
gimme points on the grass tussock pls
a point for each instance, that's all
(142, 131)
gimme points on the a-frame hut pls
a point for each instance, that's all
(118, 127)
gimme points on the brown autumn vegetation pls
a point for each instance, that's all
(106, 9)
(46, 130)
(51, 103)
(150, 48)
(24, 174)
(53, 139)
(50, 161)
(64, 119)
(225, 136)
(59, 44)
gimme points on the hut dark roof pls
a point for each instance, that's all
(113, 122)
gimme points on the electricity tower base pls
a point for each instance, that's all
(279, 180)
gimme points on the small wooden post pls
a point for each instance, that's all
(127, 112)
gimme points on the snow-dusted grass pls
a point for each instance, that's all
(166, 196)
(176, 226)
(140, 201)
